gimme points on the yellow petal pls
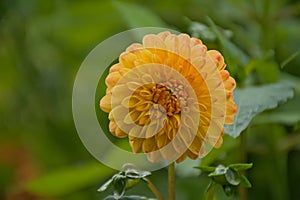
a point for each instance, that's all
(105, 103)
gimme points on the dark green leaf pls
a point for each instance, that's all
(232, 177)
(206, 168)
(289, 112)
(240, 166)
(68, 180)
(244, 181)
(253, 100)
(119, 183)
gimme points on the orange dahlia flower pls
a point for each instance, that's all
(170, 96)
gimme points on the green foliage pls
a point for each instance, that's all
(253, 100)
(66, 181)
(228, 177)
(125, 179)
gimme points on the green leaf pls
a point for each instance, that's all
(244, 181)
(138, 16)
(240, 166)
(285, 114)
(68, 180)
(206, 168)
(232, 177)
(253, 100)
(119, 183)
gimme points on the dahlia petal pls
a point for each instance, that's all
(224, 74)
(152, 129)
(192, 155)
(198, 62)
(231, 108)
(181, 158)
(149, 145)
(112, 126)
(161, 140)
(198, 51)
(194, 147)
(128, 60)
(217, 58)
(115, 68)
(172, 43)
(154, 156)
(119, 133)
(184, 46)
(229, 119)
(112, 79)
(134, 46)
(153, 41)
(163, 35)
(105, 103)
(229, 84)
(136, 144)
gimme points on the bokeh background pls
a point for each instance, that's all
(42, 44)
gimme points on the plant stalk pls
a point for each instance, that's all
(171, 177)
(243, 159)
(154, 190)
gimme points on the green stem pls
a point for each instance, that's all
(243, 159)
(210, 192)
(154, 190)
(171, 177)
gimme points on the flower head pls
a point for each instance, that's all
(170, 96)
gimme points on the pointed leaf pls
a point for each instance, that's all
(253, 100)
(245, 182)
(240, 166)
(206, 168)
(119, 183)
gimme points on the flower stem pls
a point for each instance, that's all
(243, 159)
(171, 176)
(211, 192)
(154, 190)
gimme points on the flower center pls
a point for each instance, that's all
(164, 97)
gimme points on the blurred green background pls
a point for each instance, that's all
(42, 44)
